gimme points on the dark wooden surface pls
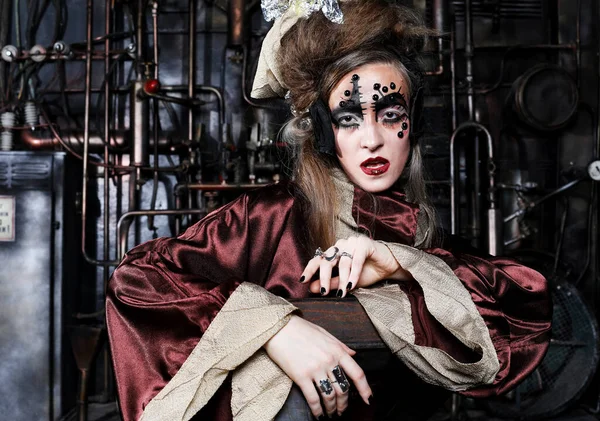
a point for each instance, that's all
(343, 318)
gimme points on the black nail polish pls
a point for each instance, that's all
(339, 293)
(302, 278)
(323, 290)
(349, 287)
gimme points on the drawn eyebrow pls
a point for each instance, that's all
(386, 101)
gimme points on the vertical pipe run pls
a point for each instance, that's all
(5, 13)
(469, 59)
(236, 23)
(453, 75)
(192, 66)
(86, 125)
(494, 242)
(107, 114)
(440, 24)
(139, 125)
(139, 37)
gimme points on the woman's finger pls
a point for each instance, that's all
(341, 390)
(312, 398)
(311, 267)
(353, 371)
(357, 263)
(315, 286)
(328, 261)
(328, 394)
(344, 267)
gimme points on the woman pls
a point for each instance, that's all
(199, 326)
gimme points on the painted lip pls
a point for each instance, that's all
(375, 166)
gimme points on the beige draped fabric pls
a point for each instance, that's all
(252, 315)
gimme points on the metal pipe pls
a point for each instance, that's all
(213, 187)
(440, 24)
(86, 129)
(107, 115)
(139, 37)
(139, 125)
(118, 140)
(532, 205)
(453, 74)
(155, 113)
(5, 13)
(235, 33)
(454, 198)
(106, 210)
(191, 66)
(469, 59)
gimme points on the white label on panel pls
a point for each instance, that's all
(7, 218)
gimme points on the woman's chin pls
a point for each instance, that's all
(375, 184)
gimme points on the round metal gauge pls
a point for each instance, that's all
(594, 170)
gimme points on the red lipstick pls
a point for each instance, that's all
(375, 166)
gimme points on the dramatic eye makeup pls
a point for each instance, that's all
(389, 107)
(349, 112)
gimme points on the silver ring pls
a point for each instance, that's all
(325, 386)
(318, 252)
(340, 378)
(333, 256)
(346, 254)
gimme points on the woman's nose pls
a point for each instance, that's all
(372, 138)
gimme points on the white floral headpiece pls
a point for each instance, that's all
(267, 80)
(273, 9)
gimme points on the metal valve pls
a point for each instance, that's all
(9, 53)
(37, 53)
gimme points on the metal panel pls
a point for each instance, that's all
(31, 288)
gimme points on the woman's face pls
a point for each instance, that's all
(369, 110)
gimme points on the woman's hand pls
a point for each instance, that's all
(308, 354)
(360, 261)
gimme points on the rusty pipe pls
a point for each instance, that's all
(441, 13)
(119, 141)
(235, 32)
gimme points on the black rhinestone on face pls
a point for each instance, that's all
(405, 125)
(347, 92)
(401, 134)
(384, 89)
(376, 86)
(355, 77)
(375, 97)
(342, 104)
(392, 85)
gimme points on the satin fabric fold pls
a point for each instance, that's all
(165, 293)
(514, 300)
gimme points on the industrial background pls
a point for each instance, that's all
(121, 121)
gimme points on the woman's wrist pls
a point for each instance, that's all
(398, 273)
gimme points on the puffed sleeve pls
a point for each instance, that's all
(166, 292)
(515, 304)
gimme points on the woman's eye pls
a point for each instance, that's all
(389, 117)
(348, 121)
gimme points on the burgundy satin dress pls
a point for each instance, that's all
(166, 292)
